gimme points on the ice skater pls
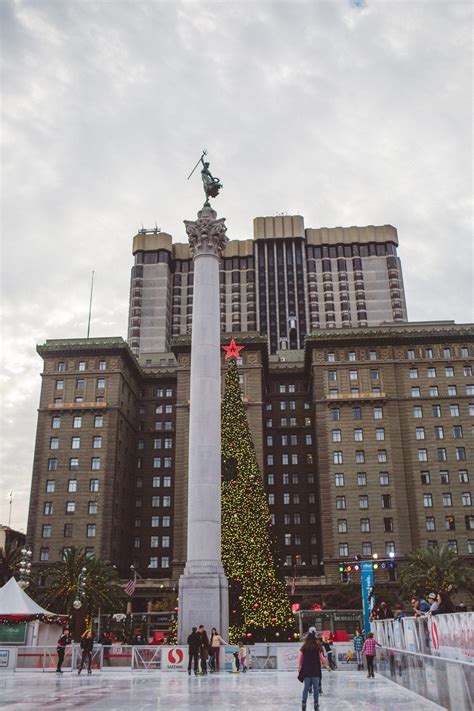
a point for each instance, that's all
(87, 644)
(358, 642)
(309, 665)
(368, 650)
(61, 649)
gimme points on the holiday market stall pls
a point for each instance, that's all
(24, 622)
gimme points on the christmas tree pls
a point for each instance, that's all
(259, 605)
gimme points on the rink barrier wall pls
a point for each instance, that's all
(448, 636)
(447, 682)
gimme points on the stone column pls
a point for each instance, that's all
(203, 590)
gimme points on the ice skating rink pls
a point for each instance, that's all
(175, 691)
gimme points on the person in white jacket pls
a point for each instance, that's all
(215, 642)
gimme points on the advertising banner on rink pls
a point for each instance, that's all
(452, 636)
(367, 586)
(174, 658)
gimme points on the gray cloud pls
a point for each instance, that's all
(347, 112)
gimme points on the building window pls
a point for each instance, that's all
(97, 442)
(165, 562)
(366, 549)
(156, 462)
(270, 459)
(102, 365)
(422, 455)
(332, 375)
(463, 476)
(335, 414)
(449, 523)
(336, 436)
(67, 531)
(70, 507)
(55, 423)
(415, 392)
(271, 499)
(80, 384)
(386, 501)
(153, 562)
(429, 353)
(284, 459)
(470, 546)
(411, 355)
(439, 432)
(50, 486)
(343, 550)
(417, 411)
(431, 372)
(156, 482)
(287, 539)
(48, 508)
(460, 454)
(469, 521)
(352, 356)
(469, 390)
(92, 508)
(388, 525)
(294, 459)
(342, 525)
(308, 439)
(94, 485)
(382, 456)
(471, 410)
(444, 477)
(454, 410)
(378, 413)
(428, 501)
(353, 375)
(137, 542)
(430, 523)
(413, 373)
(269, 422)
(155, 501)
(340, 503)
(331, 357)
(360, 456)
(52, 465)
(356, 413)
(442, 455)
(420, 433)
(154, 541)
(449, 372)
(75, 442)
(95, 463)
(447, 500)
(155, 521)
(166, 481)
(337, 457)
(100, 383)
(436, 410)
(446, 352)
(339, 479)
(380, 434)
(98, 420)
(365, 525)
(453, 546)
(361, 479)
(363, 502)
(165, 541)
(389, 547)
(358, 435)
(372, 355)
(269, 441)
(46, 530)
(425, 477)
(384, 479)
(452, 390)
(44, 554)
(54, 443)
(466, 498)
(157, 443)
(72, 486)
(61, 367)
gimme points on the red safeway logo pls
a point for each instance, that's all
(434, 635)
(175, 656)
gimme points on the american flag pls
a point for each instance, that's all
(131, 585)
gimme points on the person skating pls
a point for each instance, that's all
(87, 644)
(204, 650)
(243, 656)
(194, 644)
(368, 650)
(309, 665)
(358, 642)
(215, 643)
(327, 646)
(61, 649)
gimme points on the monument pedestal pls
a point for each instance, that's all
(203, 599)
(203, 591)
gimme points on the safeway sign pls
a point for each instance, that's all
(174, 658)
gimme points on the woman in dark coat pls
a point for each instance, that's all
(445, 604)
(310, 668)
(204, 651)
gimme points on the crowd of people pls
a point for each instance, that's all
(433, 604)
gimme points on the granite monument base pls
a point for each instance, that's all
(203, 599)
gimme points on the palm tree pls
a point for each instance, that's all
(100, 588)
(9, 561)
(433, 569)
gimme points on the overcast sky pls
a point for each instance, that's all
(347, 112)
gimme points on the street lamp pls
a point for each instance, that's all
(25, 567)
(81, 588)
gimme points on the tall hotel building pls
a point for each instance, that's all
(362, 422)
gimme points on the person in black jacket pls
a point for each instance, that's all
(194, 642)
(61, 649)
(309, 665)
(445, 604)
(87, 644)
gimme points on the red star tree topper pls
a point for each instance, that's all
(232, 350)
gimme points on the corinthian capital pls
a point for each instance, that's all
(206, 234)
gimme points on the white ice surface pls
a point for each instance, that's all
(175, 691)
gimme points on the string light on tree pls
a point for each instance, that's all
(259, 604)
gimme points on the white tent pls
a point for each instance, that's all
(15, 601)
